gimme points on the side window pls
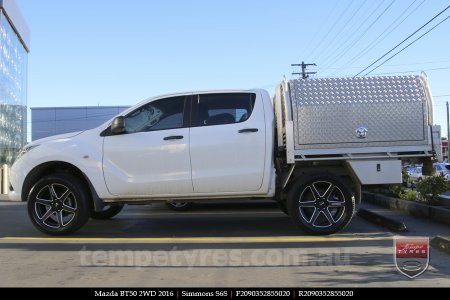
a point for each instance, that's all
(157, 115)
(226, 108)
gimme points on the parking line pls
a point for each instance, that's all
(179, 240)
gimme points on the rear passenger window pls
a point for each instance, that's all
(224, 108)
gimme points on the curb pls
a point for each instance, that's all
(434, 213)
(444, 200)
(441, 243)
(381, 220)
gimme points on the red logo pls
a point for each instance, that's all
(411, 255)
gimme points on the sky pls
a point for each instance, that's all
(111, 52)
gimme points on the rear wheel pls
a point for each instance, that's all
(179, 205)
(107, 213)
(58, 204)
(321, 204)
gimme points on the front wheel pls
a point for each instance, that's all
(321, 204)
(107, 213)
(58, 204)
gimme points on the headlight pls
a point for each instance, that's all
(25, 150)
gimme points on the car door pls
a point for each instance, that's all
(227, 143)
(152, 156)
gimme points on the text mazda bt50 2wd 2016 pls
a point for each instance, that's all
(310, 148)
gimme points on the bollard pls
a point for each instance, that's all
(5, 179)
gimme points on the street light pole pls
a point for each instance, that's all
(448, 136)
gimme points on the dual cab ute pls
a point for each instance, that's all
(311, 147)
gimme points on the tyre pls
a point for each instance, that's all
(107, 213)
(321, 204)
(58, 204)
(179, 205)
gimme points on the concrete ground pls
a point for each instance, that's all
(248, 244)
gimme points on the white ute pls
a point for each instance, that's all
(310, 148)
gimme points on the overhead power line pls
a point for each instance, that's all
(338, 55)
(393, 65)
(357, 27)
(404, 48)
(339, 18)
(316, 34)
(382, 36)
(420, 63)
(404, 72)
(342, 29)
(387, 53)
(413, 71)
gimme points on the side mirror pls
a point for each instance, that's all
(118, 125)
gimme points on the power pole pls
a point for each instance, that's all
(448, 136)
(304, 73)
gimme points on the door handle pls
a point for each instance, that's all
(248, 130)
(173, 137)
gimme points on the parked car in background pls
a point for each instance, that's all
(415, 174)
(443, 168)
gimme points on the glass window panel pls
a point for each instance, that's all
(13, 92)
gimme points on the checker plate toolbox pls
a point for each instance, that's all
(382, 115)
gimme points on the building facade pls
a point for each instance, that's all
(48, 121)
(444, 149)
(14, 48)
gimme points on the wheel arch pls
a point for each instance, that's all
(48, 168)
(335, 168)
